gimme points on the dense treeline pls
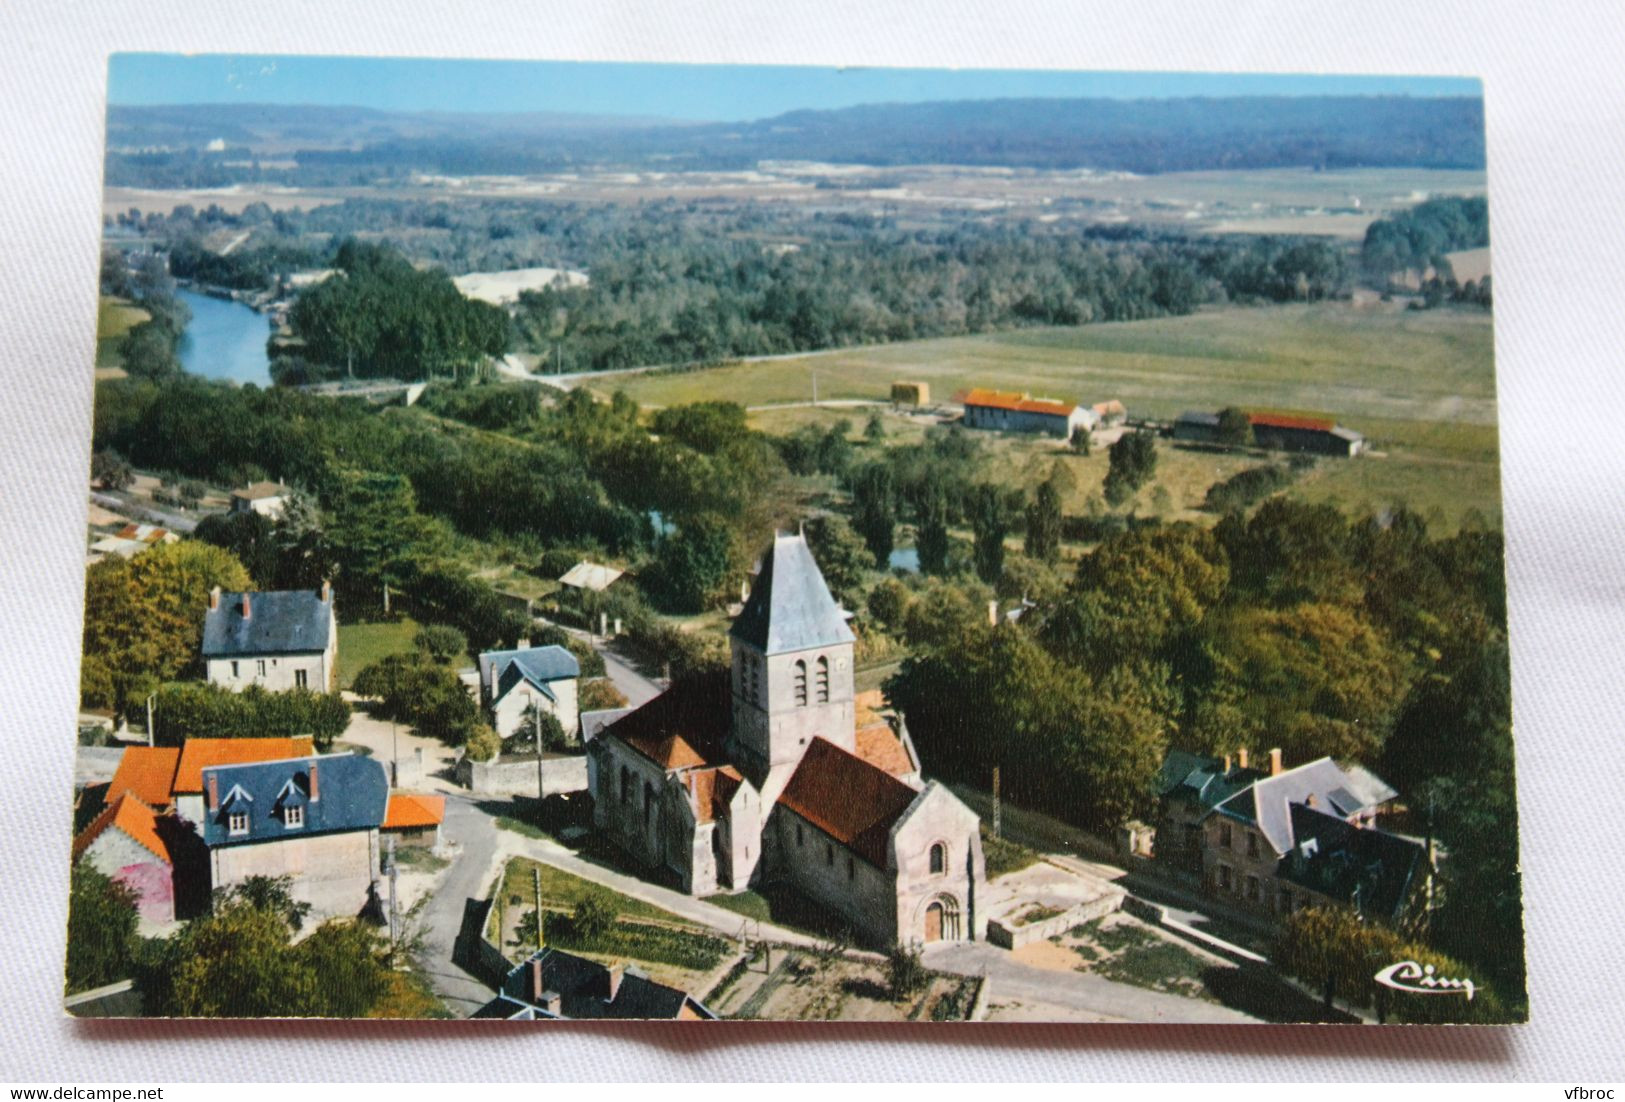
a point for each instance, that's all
(1146, 136)
(379, 315)
(1418, 239)
(148, 350)
(1368, 641)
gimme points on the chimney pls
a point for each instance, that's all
(1275, 762)
(1310, 800)
(1241, 758)
(327, 591)
(993, 614)
(533, 981)
(214, 598)
(315, 789)
(1227, 765)
(248, 612)
(213, 784)
(552, 1002)
(524, 644)
(616, 972)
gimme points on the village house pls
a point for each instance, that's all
(268, 499)
(151, 828)
(1277, 840)
(777, 771)
(1011, 412)
(313, 819)
(514, 681)
(276, 639)
(1278, 432)
(556, 984)
(130, 540)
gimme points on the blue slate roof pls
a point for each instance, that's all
(351, 793)
(1267, 803)
(790, 608)
(1202, 779)
(291, 621)
(583, 987)
(1370, 870)
(538, 665)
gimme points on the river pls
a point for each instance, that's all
(225, 340)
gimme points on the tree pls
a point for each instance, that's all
(691, 566)
(874, 430)
(536, 720)
(272, 894)
(101, 929)
(441, 642)
(841, 556)
(906, 975)
(889, 602)
(252, 538)
(111, 470)
(1044, 524)
(483, 744)
(594, 915)
(600, 693)
(1235, 426)
(412, 689)
(1133, 460)
(874, 515)
(989, 523)
(931, 537)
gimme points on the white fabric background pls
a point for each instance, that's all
(1555, 100)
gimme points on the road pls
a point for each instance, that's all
(146, 514)
(472, 870)
(634, 686)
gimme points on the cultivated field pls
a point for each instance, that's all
(1419, 384)
(114, 318)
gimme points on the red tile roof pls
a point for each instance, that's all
(847, 798)
(1020, 403)
(407, 811)
(879, 745)
(712, 789)
(683, 727)
(134, 818)
(1292, 421)
(148, 772)
(205, 753)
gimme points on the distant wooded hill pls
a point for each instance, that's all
(169, 146)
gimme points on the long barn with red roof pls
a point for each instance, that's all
(1008, 411)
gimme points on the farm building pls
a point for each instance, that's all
(1317, 435)
(911, 394)
(1278, 432)
(1007, 411)
(1110, 412)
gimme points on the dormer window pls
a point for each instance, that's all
(237, 823)
(293, 817)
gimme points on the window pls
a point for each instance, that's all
(798, 834)
(1224, 877)
(801, 683)
(1252, 844)
(237, 822)
(293, 817)
(754, 666)
(626, 784)
(300, 679)
(939, 859)
(260, 666)
(648, 801)
(1224, 835)
(1252, 889)
(235, 673)
(1286, 902)
(829, 855)
(823, 680)
(851, 869)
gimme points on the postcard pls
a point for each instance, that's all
(636, 541)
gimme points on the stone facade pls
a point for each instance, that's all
(508, 713)
(332, 872)
(278, 672)
(776, 772)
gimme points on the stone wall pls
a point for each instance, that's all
(1004, 933)
(519, 776)
(331, 872)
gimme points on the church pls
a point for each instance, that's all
(776, 772)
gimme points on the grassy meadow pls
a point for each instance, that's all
(114, 318)
(1419, 384)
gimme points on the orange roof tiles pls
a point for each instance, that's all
(879, 745)
(206, 753)
(712, 789)
(866, 707)
(1292, 421)
(407, 810)
(847, 798)
(146, 771)
(134, 818)
(1020, 403)
(684, 726)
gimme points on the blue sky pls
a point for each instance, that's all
(702, 92)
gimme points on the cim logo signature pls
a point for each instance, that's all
(1420, 979)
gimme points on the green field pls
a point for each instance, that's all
(1419, 384)
(114, 318)
(361, 645)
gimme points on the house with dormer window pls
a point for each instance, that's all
(315, 819)
(276, 639)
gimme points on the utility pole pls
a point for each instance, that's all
(536, 879)
(150, 733)
(997, 817)
(394, 911)
(815, 387)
